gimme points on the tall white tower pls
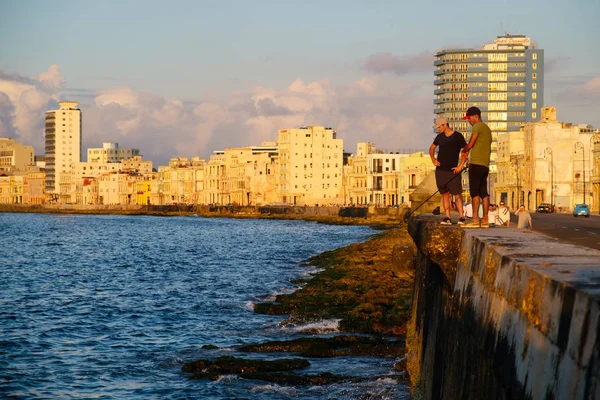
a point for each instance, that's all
(63, 144)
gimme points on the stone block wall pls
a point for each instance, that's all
(503, 314)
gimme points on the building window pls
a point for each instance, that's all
(534, 76)
(534, 86)
(533, 106)
(534, 95)
(534, 66)
(534, 115)
(534, 56)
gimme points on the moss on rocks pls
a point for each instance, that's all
(332, 346)
(358, 284)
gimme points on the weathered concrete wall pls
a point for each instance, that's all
(503, 314)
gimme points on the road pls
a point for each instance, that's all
(566, 228)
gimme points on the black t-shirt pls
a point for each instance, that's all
(449, 149)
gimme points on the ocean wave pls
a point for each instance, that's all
(275, 388)
(317, 327)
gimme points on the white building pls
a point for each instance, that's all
(311, 163)
(63, 145)
(110, 153)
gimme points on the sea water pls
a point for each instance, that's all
(111, 306)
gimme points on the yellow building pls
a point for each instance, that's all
(34, 185)
(548, 162)
(11, 189)
(15, 156)
(356, 184)
(413, 170)
(310, 162)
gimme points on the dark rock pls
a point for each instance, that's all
(272, 308)
(295, 379)
(210, 347)
(196, 366)
(330, 347)
(233, 365)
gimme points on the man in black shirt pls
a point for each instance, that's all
(447, 166)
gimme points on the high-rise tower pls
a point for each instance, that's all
(63, 144)
(505, 79)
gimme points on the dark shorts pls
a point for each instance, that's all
(478, 175)
(448, 181)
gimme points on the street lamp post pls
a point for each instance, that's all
(547, 151)
(594, 140)
(579, 146)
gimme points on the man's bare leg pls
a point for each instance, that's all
(459, 205)
(476, 204)
(446, 201)
(486, 208)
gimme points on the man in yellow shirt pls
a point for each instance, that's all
(480, 147)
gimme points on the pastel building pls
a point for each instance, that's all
(384, 179)
(63, 146)
(505, 79)
(15, 156)
(310, 166)
(356, 184)
(549, 162)
(243, 175)
(110, 153)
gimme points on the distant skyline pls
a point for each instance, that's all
(185, 78)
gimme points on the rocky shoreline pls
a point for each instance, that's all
(358, 285)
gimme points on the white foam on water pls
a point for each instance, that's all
(275, 388)
(318, 327)
(226, 378)
(249, 306)
(272, 296)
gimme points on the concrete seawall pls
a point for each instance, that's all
(503, 314)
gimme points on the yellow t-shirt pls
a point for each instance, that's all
(480, 153)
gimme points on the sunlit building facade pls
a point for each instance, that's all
(311, 162)
(63, 145)
(15, 156)
(505, 79)
(110, 153)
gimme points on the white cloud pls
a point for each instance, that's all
(390, 111)
(23, 102)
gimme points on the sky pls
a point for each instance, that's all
(184, 78)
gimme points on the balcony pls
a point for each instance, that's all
(478, 69)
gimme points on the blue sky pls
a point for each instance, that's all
(184, 78)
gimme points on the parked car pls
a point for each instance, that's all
(545, 208)
(581, 209)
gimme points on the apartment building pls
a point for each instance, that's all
(110, 153)
(63, 146)
(505, 79)
(356, 187)
(384, 179)
(549, 162)
(15, 156)
(311, 163)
